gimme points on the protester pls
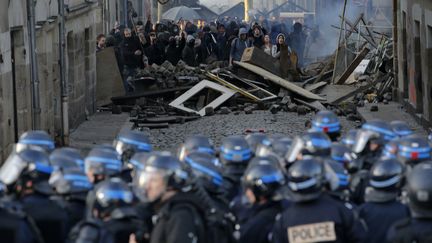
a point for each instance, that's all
(238, 46)
(100, 42)
(267, 47)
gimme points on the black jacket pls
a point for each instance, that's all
(411, 230)
(155, 53)
(189, 55)
(379, 217)
(260, 223)
(324, 219)
(179, 220)
(128, 48)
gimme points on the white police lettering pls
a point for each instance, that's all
(307, 233)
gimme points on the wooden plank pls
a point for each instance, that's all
(333, 92)
(279, 81)
(109, 80)
(259, 58)
(316, 86)
(353, 66)
(353, 93)
(316, 105)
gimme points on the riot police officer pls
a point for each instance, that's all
(71, 186)
(67, 157)
(26, 174)
(235, 155)
(349, 138)
(327, 122)
(102, 163)
(127, 144)
(167, 184)
(263, 182)
(114, 217)
(418, 227)
(36, 140)
(196, 143)
(413, 150)
(382, 208)
(314, 216)
(401, 129)
(256, 139)
(309, 145)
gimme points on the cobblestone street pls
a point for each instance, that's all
(219, 126)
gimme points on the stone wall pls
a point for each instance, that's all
(414, 86)
(82, 23)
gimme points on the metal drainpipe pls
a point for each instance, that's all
(36, 110)
(125, 13)
(64, 81)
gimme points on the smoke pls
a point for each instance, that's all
(328, 35)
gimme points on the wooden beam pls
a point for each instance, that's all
(353, 66)
(279, 81)
(359, 90)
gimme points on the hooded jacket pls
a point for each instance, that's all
(238, 46)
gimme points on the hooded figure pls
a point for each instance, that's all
(238, 46)
(189, 54)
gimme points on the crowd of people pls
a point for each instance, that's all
(372, 184)
(225, 41)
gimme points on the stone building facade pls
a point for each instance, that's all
(414, 85)
(83, 23)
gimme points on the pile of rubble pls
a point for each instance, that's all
(356, 74)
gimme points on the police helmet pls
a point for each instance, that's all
(264, 179)
(384, 129)
(206, 170)
(256, 139)
(385, 181)
(281, 146)
(390, 150)
(130, 142)
(306, 179)
(363, 140)
(35, 139)
(419, 185)
(165, 169)
(66, 157)
(413, 150)
(311, 144)
(28, 162)
(235, 154)
(112, 194)
(70, 181)
(197, 143)
(327, 122)
(27, 165)
(336, 176)
(349, 138)
(102, 161)
(401, 128)
(342, 154)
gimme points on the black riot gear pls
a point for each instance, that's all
(306, 179)
(419, 185)
(205, 167)
(385, 181)
(413, 150)
(327, 122)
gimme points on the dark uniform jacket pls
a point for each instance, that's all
(179, 220)
(411, 230)
(322, 220)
